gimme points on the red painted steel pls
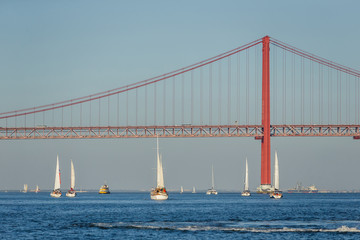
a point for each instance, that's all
(265, 143)
(255, 131)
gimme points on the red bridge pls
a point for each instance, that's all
(228, 95)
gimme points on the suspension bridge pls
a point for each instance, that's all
(228, 95)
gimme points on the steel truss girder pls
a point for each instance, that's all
(178, 131)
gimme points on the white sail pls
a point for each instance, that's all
(246, 177)
(276, 173)
(193, 191)
(212, 177)
(181, 189)
(57, 175)
(72, 177)
(160, 174)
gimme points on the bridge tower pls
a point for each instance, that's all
(265, 140)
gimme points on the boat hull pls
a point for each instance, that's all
(211, 192)
(159, 197)
(276, 195)
(246, 194)
(71, 194)
(55, 194)
(104, 189)
(159, 194)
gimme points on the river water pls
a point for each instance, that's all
(183, 216)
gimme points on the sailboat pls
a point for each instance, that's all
(72, 192)
(25, 188)
(56, 192)
(193, 191)
(181, 189)
(276, 193)
(37, 189)
(246, 192)
(159, 193)
(212, 190)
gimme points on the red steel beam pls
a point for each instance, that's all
(265, 142)
(179, 131)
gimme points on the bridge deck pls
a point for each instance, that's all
(182, 131)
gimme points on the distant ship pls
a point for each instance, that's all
(72, 192)
(246, 192)
(193, 191)
(159, 193)
(212, 189)
(301, 189)
(181, 189)
(276, 193)
(104, 189)
(37, 189)
(56, 192)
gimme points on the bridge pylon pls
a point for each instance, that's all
(265, 140)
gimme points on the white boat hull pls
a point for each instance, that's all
(159, 196)
(71, 194)
(211, 192)
(55, 195)
(246, 194)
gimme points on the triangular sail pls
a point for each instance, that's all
(160, 174)
(72, 177)
(246, 176)
(276, 173)
(57, 175)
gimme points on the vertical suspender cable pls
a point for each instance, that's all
(192, 97)
(229, 90)
(330, 99)
(238, 88)
(220, 113)
(155, 113)
(302, 90)
(275, 86)
(100, 109)
(145, 103)
(247, 86)
(201, 96)
(164, 103)
(108, 111)
(173, 103)
(117, 110)
(311, 92)
(136, 106)
(293, 89)
(210, 94)
(256, 83)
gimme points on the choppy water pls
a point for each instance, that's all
(183, 216)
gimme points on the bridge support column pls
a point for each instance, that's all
(265, 141)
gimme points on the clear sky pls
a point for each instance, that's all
(58, 50)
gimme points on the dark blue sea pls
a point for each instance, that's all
(183, 216)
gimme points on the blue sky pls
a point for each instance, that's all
(58, 50)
